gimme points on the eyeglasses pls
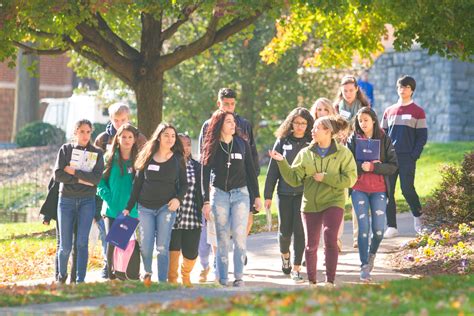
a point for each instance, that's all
(300, 123)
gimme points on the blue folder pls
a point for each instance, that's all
(121, 231)
(367, 149)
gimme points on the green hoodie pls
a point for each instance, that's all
(116, 190)
(340, 173)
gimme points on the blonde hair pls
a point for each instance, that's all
(118, 108)
(326, 103)
(334, 123)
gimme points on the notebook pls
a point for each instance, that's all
(367, 149)
(121, 231)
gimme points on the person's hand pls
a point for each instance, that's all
(70, 170)
(173, 204)
(85, 183)
(275, 155)
(267, 204)
(366, 166)
(126, 212)
(206, 211)
(257, 203)
(318, 177)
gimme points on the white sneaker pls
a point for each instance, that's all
(390, 232)
(418, 224)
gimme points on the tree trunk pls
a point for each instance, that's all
(149, 94)
(26, 94)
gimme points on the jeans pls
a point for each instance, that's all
(406, 171)
(231, 211)
(70, 210)
(204, 247)
(377, 202)
(155, 228)
(102, 233)
(330, 220)
(290, 224)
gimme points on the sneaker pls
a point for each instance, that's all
(296, 277)
(339, 245)
(105, 274)
(203, 275)
(390, 232)
(329, 285)
(365, 273)
(312, 284)
(371, 261)
(238, 283)
(355, 244)
(62, 280)
(285, 265)
(418, 224)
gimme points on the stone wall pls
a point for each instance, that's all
(445, 90)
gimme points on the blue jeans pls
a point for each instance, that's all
(231, 212)
(377, 202)
(102, 234)
(204, 247)
(81, 211)
(155, 228)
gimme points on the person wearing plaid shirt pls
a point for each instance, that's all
(187, 227)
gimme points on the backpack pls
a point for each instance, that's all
(126, 263)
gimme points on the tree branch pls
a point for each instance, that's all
(30, 50)
(107, 52)
(210, 38)
(116, 40)
(166, 34)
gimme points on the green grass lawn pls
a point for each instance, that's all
(15, 230)
(427, 177)
(441, 295)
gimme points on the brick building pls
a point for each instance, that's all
(55, 81)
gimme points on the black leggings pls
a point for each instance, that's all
(187, 241)
(110, 248)
(289, 223)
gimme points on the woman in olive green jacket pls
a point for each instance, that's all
(326, 169)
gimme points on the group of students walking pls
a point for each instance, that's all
(179, 200)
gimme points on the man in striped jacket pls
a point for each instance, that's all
(405, 123)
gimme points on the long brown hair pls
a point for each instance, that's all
(286, 127)
(116, 145)
(213, 135)
(360, 95)
(152, 146)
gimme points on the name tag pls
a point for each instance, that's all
(153, 167)
(236, 156)
(406, 116)
(345, 114)
(287, 147)
(130, 170)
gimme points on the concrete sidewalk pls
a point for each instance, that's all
(263, 272)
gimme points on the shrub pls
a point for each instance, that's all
(97, 129)
(40, 134)
(453, 201)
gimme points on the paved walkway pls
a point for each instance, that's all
(263, 272)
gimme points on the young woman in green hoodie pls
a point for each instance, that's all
(326, 169)
(116, 183)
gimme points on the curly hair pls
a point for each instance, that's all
(286, 127)
(213, 134)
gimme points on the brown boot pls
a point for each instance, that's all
(203, 275)
(186, 268)
(173, 267)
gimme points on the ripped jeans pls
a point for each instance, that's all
(377, 202)
(156, 223)
(231, 212)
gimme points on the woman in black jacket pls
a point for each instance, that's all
(293, 135)
(187, 227)
(376, 160)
